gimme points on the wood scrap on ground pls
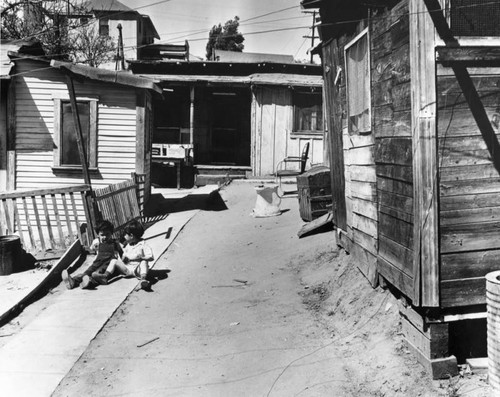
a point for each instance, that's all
(317, 225)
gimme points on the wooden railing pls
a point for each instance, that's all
(118, 204)
(48, 219)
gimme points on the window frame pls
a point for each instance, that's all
(295, 130)
(58, 125)
(104, 25)
(356, 39)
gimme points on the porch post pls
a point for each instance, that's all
(191, 117)
(78, 130)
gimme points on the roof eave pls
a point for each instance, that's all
(109, 76)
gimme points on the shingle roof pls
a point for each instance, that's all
(106, 5)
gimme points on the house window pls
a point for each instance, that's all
(308, 112)
(103, 27)
(357, 61)
(469, 18)
(66, 154)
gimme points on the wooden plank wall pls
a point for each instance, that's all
(391, 115)
(359, 173)
(271, 124)
(469, 188)
(35, 91)
(36, 87)
(3, 134)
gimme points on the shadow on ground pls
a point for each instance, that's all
(159, 206)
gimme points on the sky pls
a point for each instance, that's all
(179, 20)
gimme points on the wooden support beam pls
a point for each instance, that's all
(425, 165)
(78, 131)
(334, 121)
(469, 56)
(191, 115)
(429, 342)
(11, 135)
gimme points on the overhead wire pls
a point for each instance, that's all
(174, 40)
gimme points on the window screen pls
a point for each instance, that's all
(475, 17)
(308, 112)
(358, 86)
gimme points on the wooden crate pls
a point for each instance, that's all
(314, 192)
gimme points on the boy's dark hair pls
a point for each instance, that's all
(105, 227)
(134, 228)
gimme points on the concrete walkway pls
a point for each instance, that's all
(41, 354)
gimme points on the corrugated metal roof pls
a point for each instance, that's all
(5, 63)
(257, 78)
(109, 76)
(234, 56)
(22, 46)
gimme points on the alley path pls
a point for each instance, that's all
(228, 320)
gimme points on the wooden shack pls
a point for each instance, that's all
(239, 118)
(412, 90)
(115, 116)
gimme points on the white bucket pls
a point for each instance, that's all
(268, 202)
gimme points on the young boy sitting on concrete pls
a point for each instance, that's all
(107, 249)
(135, 258)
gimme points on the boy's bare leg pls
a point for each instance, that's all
(144, 269)
(114, 266)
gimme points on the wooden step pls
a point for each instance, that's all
(223, 170)
(203, 180)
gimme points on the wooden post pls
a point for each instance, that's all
(425, 165)
(11, 149)
(78, 130)
(191, 116)
(95, 215)
(334, 119)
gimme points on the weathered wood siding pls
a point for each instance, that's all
(116, 129)
(359, 172)
(469, 186)
(3, 134)
(271, 126)
(36, 87)
(391, 118)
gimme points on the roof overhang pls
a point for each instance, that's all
(25, 47)
(275, 79)
(108, 76)
(310, 3)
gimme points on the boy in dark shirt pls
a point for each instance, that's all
(107, 249)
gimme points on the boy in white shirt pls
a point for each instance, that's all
(135, 258)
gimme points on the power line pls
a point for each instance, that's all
(289, 28)
(243, 22)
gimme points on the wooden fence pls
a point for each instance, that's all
(118, 204)
(47, 219)
(50, 220)
(140, 188)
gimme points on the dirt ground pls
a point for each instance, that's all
(249, 309)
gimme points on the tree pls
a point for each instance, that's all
(91, 48)
(63, 29)
(225, 37)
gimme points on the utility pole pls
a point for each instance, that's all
(120, 56)
(313, 34)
